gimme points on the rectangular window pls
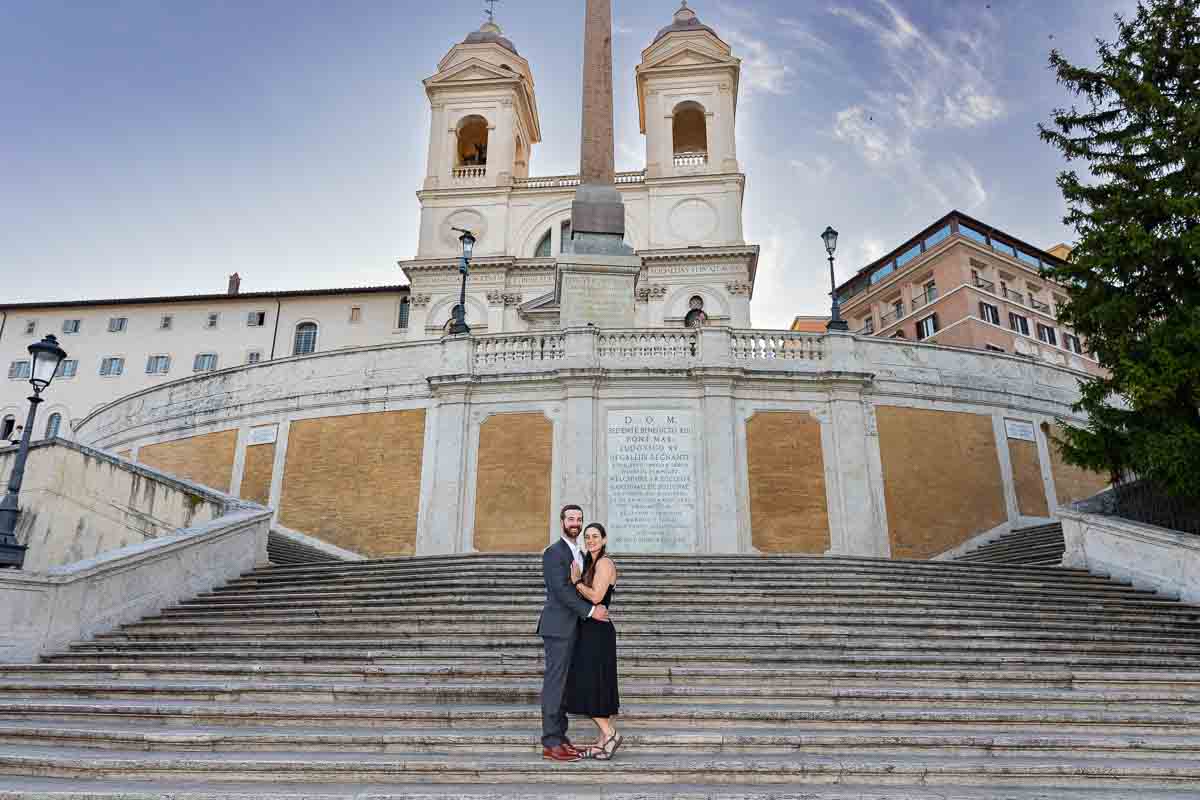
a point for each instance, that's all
(205, 362)
(1071, 342)
(253, 357)
(883, 272)
(1031, 260)
(18, 370)
(212, 319)
(989, 313)
(67, 368)
(30, 327)
(927, 327)
(1046, 334)
(908, 255)
(1018, 323)
(939, 236)
(166, 322)
(971, 233)
(112, 366)
(158, 365)
(355, 314)
(402, 321)
(992, 348)
(255, 319)
(70, 326)
(117, 324)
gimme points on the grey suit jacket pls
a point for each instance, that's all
(564, 607)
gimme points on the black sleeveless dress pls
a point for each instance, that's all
(592, 680)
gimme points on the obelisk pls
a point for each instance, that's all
(598, 273)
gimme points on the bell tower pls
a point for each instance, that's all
(484, 117)
(687, 86)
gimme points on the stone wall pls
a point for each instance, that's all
(419, 448)
(206, 459)
(512, 495)
(77, 504)
(355, 480)
(1027, 478)
(941, 476)
(788, 508)
(1071, 483)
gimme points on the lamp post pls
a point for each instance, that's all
(459, 325)
(46, 356)
(836, 323)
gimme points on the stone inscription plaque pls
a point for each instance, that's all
(651, 482)
(602, 299)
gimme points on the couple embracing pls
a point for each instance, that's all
(579, 638)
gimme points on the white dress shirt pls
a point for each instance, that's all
(577, 554)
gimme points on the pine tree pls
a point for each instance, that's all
(1133, 278)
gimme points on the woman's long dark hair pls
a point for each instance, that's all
(589, 564)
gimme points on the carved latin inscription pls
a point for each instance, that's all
(651, 482)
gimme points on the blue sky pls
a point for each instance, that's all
(155, 147)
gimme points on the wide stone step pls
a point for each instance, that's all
(667, 642)
(489, 627)
(1173, 681)
(527, 691)
(1016, 547)
(644, 738)
(1175, 615)
(599, 788)
(505, 768)
(800, 616)
(1013, 554)
(696, 716)
(966, 657)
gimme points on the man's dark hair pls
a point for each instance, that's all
(562, 515)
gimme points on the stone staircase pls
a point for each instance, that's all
(742, 677)
(1041, 545)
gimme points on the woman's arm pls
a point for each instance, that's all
(606, 573)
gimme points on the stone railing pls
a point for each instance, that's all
(772, 345)
(504, 349)
(633, 345)
(571, 181)
(468, 174)
(698, 159)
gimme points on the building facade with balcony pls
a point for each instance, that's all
(963, 283)
(683, 211)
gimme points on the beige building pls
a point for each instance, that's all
(963, 283)
(121, 346)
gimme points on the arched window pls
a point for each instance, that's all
(472, 141)
(6, 429)
(53, 424)
(306, 339)
(689, 135)
(696, 318)
(405, 307)
(543, 247)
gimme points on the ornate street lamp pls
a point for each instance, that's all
(46, 356)
(836, 323)
(459, 324)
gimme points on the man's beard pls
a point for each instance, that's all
(572, 531)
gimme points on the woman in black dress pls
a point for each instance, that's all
(592, 681)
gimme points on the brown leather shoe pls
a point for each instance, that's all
(560, 753)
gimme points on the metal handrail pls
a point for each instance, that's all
(987, 286)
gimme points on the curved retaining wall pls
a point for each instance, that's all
(715, 440)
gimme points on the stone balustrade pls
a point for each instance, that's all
(571, 181)
(465, 175)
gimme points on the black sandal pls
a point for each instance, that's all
(610, 747)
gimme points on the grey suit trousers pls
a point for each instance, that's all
(554, 686)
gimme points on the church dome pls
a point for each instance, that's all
(490, 33)
(685, 20)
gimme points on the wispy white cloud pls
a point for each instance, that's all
(856, 125)
(764, 69)
(621, 29)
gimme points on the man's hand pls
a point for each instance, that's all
(576, 571)
(600, 613)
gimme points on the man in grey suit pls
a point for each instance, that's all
(559, 627)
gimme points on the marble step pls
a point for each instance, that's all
(489, 626)
(182, 713)
(644, 738)
(138, 669)
(998, 555)
(635, 691)
(967, 657)
(600, 787)
(507, 768)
